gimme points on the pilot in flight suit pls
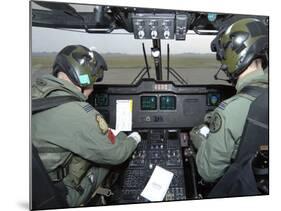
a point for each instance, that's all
(73, 140)
(242, 49)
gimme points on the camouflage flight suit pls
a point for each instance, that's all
(226, 123)
(74, 135)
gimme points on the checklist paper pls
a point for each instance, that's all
(158, 184)
(124, 109)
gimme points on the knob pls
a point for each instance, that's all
(141, 34)
(150, 166)
(166, 34)
(154, 34)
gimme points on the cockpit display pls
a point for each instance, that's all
(168, 103)
(148, 102)
(101, 99)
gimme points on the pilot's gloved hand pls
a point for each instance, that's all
(136, 136)
(199, 134)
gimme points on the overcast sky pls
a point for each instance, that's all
(49, 40)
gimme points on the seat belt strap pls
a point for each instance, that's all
(42, 104)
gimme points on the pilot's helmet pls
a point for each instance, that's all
(83, 66)
(239, 43)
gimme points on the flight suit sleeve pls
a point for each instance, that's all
(220, 146)
(214, 154)
(105, 148)
(91, 139)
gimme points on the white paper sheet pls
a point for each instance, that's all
(158, 184)
(115, 132)
(124, 110)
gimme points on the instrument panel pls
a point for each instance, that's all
(160, 104)
(162, 113)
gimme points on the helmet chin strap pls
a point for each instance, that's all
(223, 68)
(82, 90)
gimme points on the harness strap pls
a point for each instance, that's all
(61, 171)
(253, 91)
(42, 104)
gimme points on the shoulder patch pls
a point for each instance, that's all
(41, 82)
(102, 124)
(88, 108)
(222, 105)
(215, 123)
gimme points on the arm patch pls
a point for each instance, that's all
(215, 123)
(101, 124)
(88, 108)
(222, 105)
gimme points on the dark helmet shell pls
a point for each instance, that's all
(82, 66)
(239, 43)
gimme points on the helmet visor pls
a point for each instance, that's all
(87, 67)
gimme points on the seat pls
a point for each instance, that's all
(44, 194)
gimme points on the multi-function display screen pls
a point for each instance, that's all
(101, 99)
(168, 103)
(148, 102)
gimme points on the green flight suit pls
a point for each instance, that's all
(226, 123)
(75, 134)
